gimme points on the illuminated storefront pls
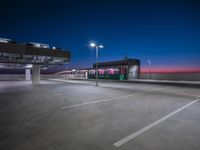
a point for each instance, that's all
(125, 69)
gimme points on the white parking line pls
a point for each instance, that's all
(67, 81)
(104, 100)
(135, 134)
(111, 99)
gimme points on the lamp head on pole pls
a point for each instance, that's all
(92, 44)
(149, 62)
(100, 46)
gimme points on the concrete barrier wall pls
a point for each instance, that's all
(65, 76)
(12, 77)
(174, 76)
(15, 77)
(57, 76)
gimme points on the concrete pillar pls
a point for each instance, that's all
(28, 74)
(86, 74)
(133, 72)
(36, 74)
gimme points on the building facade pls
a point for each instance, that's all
(125, 69)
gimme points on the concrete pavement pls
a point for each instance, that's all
(78, 115)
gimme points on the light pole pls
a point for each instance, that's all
(97, 55)
(66, 71)
(149, 62)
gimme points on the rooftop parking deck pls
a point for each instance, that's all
(77, 115)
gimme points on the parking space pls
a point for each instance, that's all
(72, 114)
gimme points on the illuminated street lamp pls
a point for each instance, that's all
(149, 63)
(94, 45)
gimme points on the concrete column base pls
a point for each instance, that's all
(28, 74)
(36, 74)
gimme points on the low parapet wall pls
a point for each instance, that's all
(172, 76)
(21, 77)
(12, 77)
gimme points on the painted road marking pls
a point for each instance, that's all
(135, 134)
(67, 81)
(99, 101)
(111, 99)
(105, 100)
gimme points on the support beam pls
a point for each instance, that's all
(28, 74)
(36, 74)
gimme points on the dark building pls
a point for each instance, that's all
(125, 69)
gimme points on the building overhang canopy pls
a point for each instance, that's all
(13, 53)
(123, 62)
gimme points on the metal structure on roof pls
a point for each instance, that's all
(17, 55)
(126, 61)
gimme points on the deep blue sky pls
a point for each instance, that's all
(165, 31)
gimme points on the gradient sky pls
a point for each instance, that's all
(165, 31)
